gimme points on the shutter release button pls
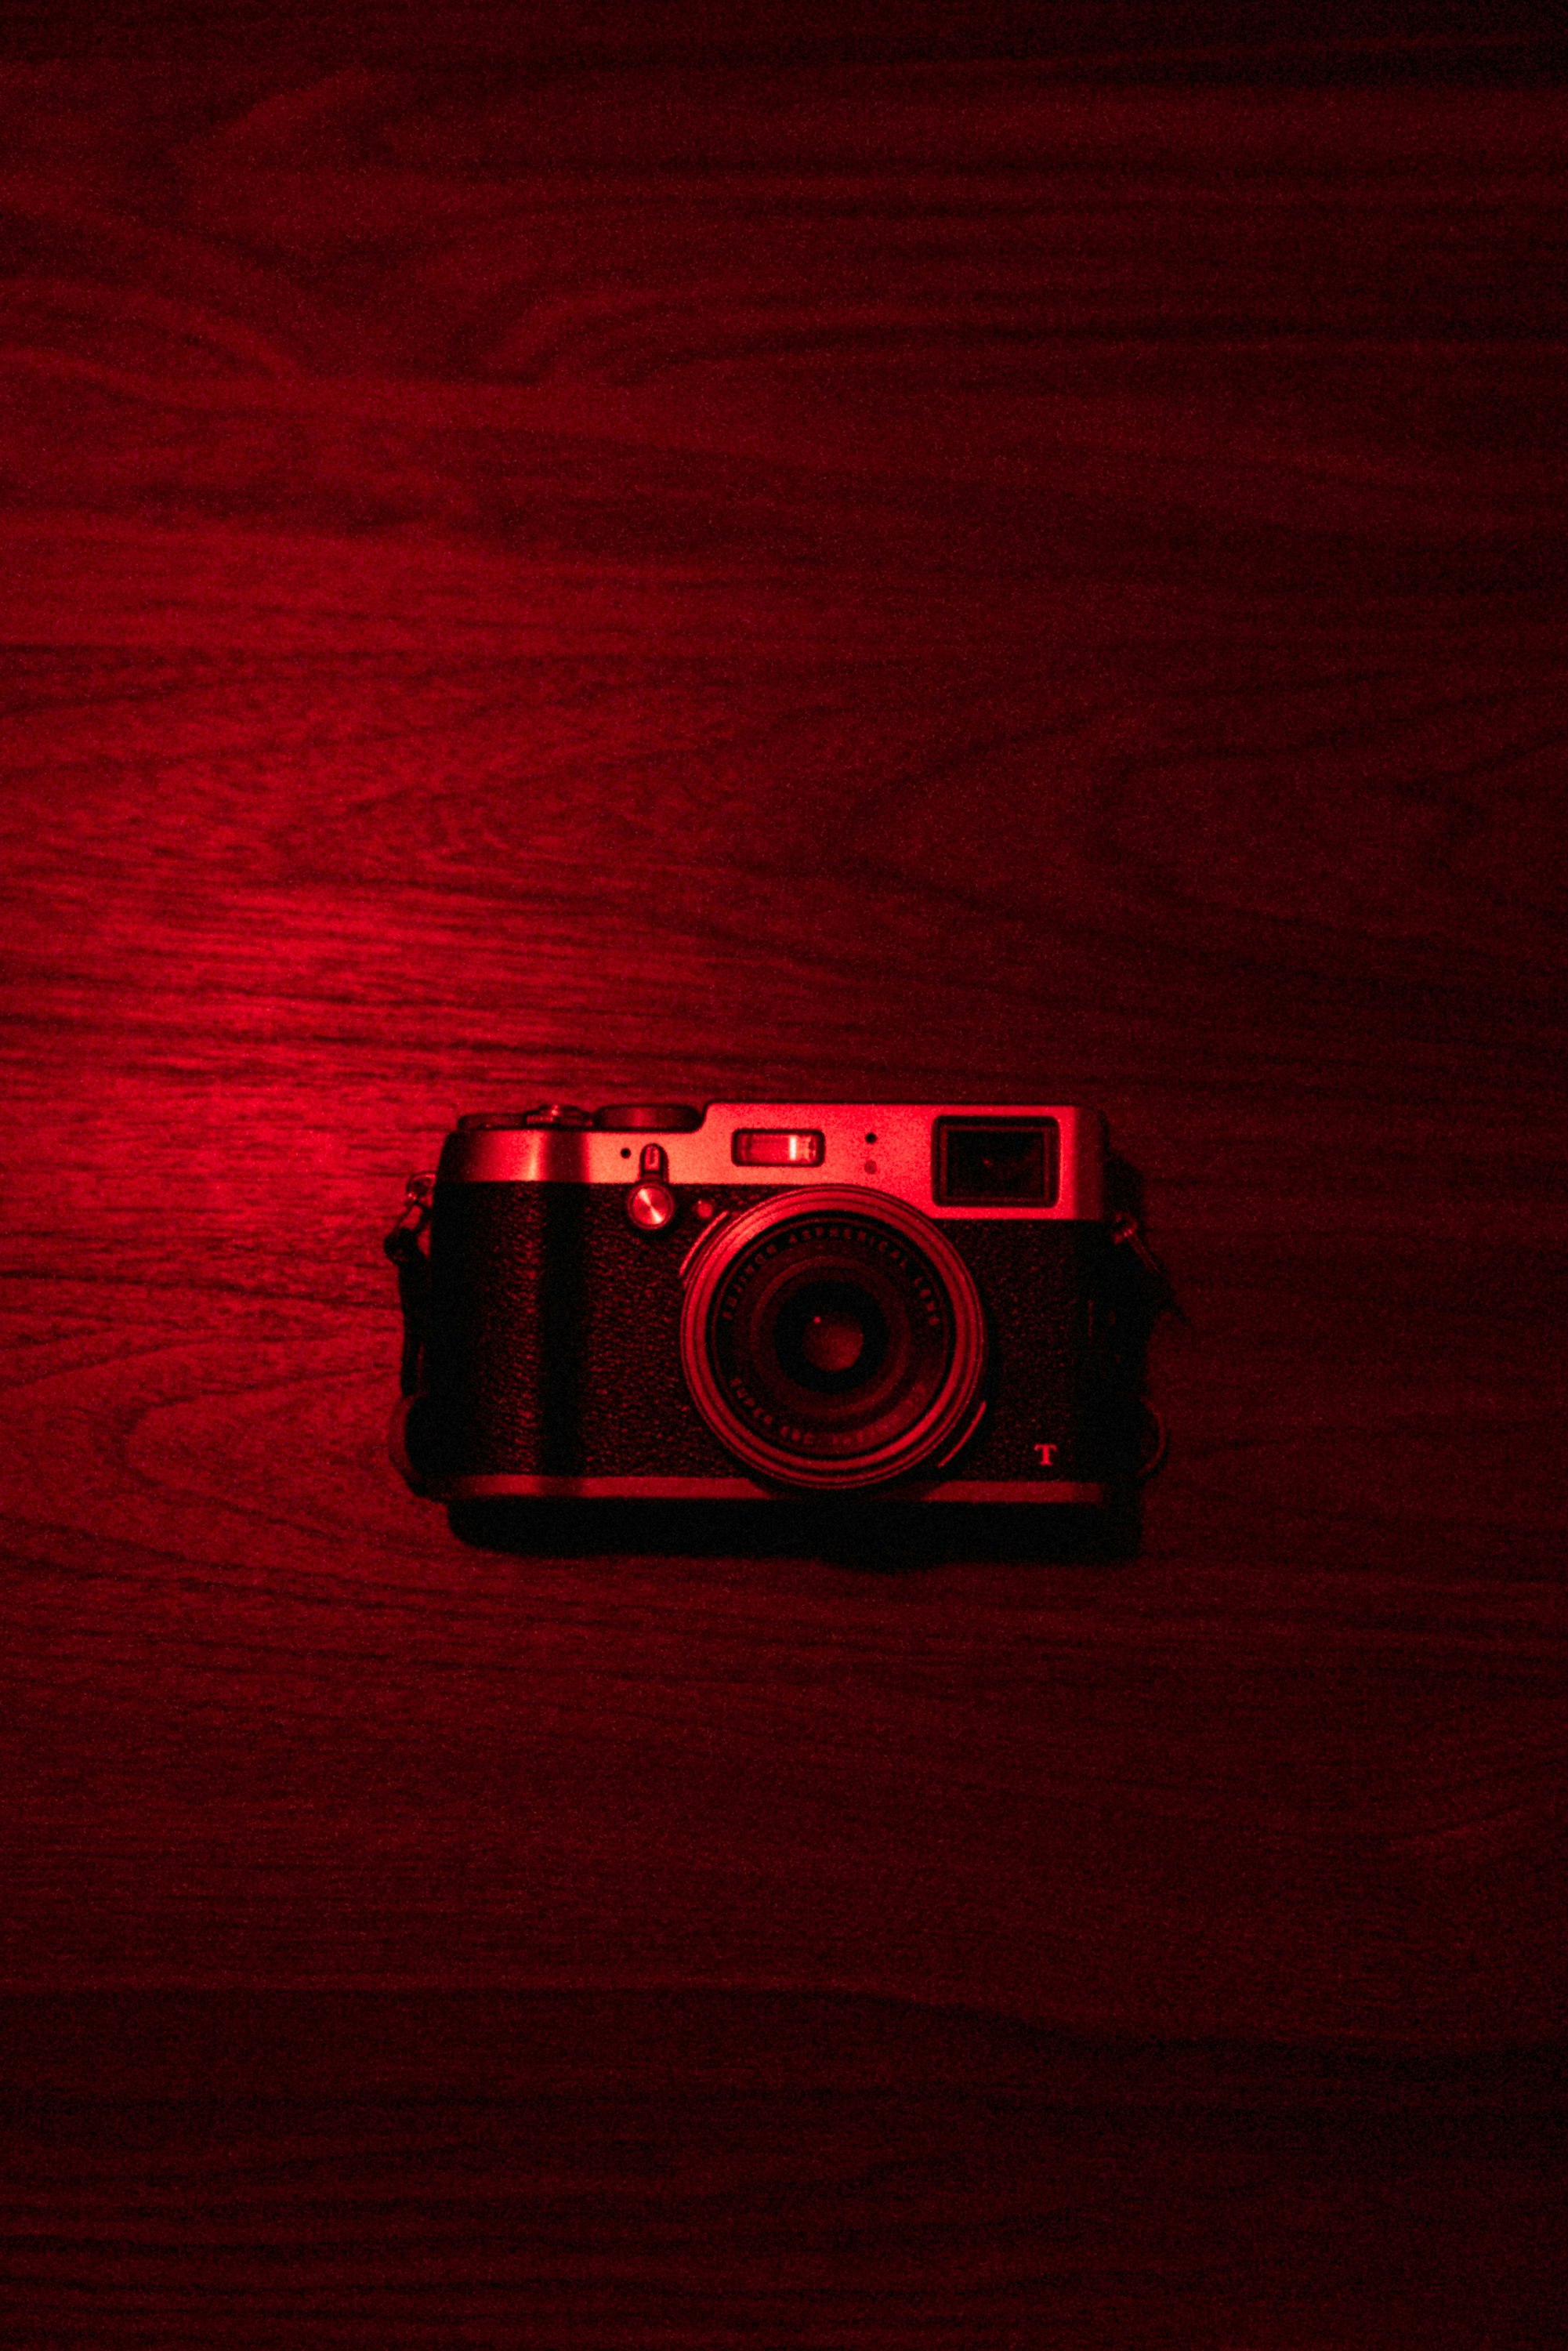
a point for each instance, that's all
(651, 1204)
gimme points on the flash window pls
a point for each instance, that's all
(764, 1146)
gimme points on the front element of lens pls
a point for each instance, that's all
(831, 1337)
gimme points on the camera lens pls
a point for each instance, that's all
(831, 1339)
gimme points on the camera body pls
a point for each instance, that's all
(767, 1301)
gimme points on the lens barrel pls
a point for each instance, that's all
(831, 1337)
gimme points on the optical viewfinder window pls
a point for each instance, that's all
(1001, 1163)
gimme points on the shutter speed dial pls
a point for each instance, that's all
(648, 1118)
(615, 1118)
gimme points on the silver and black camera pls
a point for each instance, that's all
(766, 1301)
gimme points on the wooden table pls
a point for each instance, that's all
(780, 566)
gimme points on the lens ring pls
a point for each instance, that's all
(924, 1345)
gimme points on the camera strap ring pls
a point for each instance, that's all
(1155, 1444)
(1146, 1295)
(403, 1245)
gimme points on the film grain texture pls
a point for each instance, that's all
(927, 562)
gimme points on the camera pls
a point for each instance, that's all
(761, 1301)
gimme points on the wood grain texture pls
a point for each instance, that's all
(740, 572)
(718, 2169)
(860, 2217)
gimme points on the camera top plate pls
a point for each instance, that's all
(1049, 1160)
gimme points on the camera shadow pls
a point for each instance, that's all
(891, 1537)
